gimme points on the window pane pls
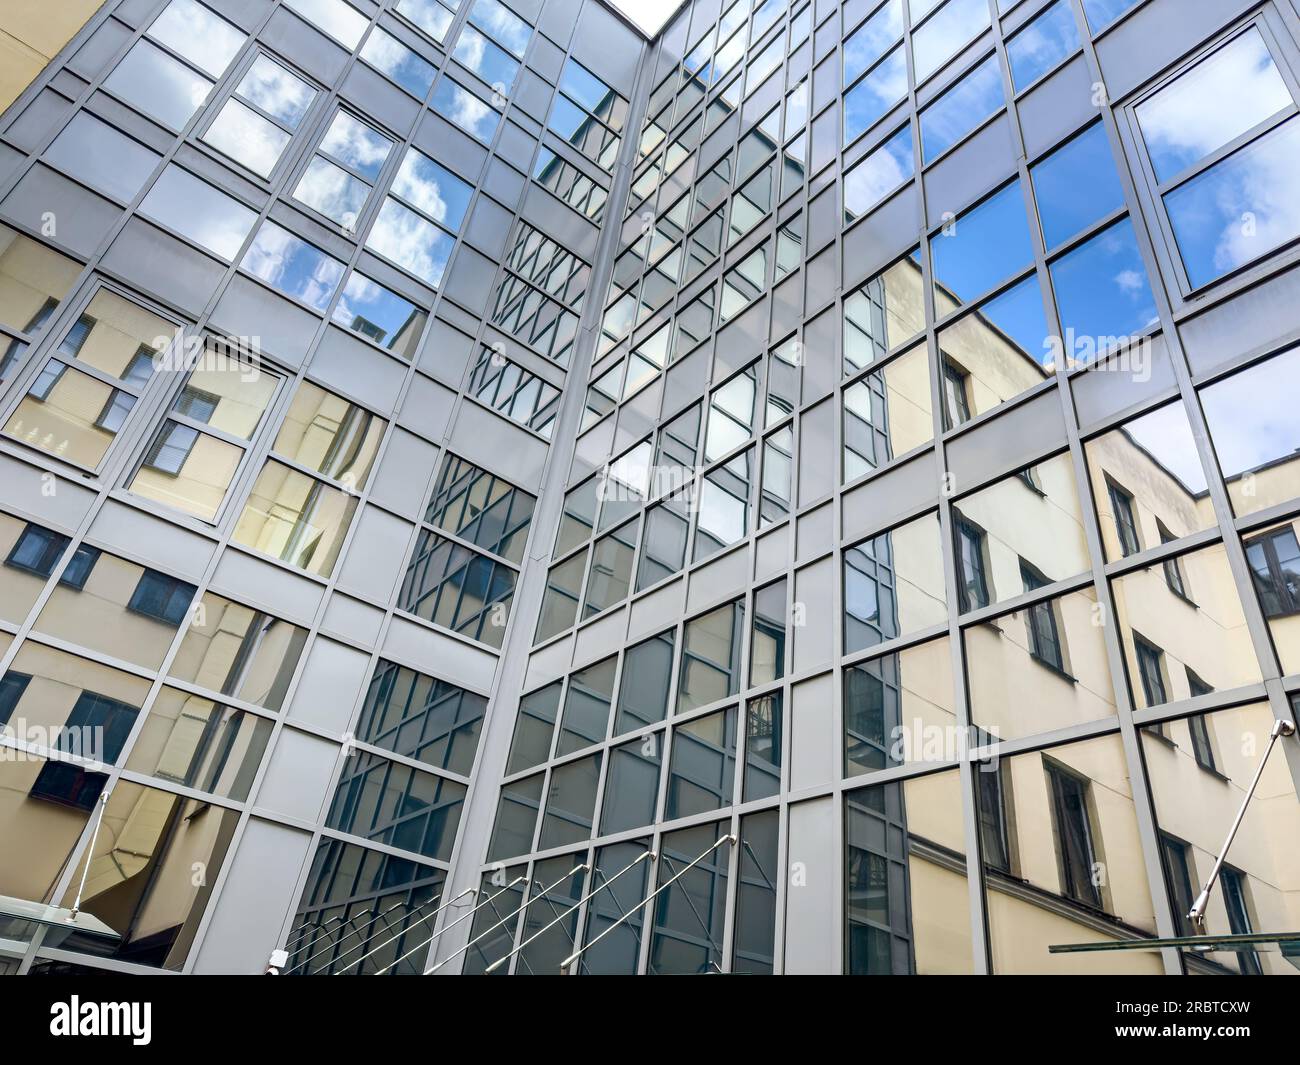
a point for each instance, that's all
(356, 145)
(941, 36)
(724, 506)
(560, 602)
(1207, 213)
(571, 803)
(632, 786)
(330, 435)
(981, 248)
(188, 470)
(380, 315)
(884, 170)
(480, 507)
(432, 189)
(240, 652)
(411, 242)
(874, 95)
(466, 110)
(162, 868)
(191, 30)
(33, 281)
(868, 43)
(348, 884)
(1042, 44)
(86, 710)
(1185, 121)
(429, 15)
(1165, 634)
(690, 914)
(961, 108)
(457, 588)
(332, 191)
(887, 413)
(1076, 185)
(422, 717)
(503, 25)
(160, 86)
(1274, 560)
(1031, 517)
(292, 266)
(196, 210)
(341, 21)
(247, 138)
(1101, 13)
(1154, 457)
(764, 732)
(192, 741)
(586, 707)
(644, 688)
(1102, 290)
(276, 91)
(710, 667)
(296, 519)
(1251, 416)
(388, 54)
(701, 773)
(118, 337)
(893, 703)
(1073, 834)
(485, 59)
(70, 414)
(121, 609)
(1039, 669)
(901, 882)
(611, 569)
(30, 553)
(227, 394)
(391, 803)
(1199, 807)
(893, 584)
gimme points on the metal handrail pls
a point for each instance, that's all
(504, 958)
(514, 913)
(301, 929)
(335, 942)
(643, 903)
(406, 928)
(452, 924)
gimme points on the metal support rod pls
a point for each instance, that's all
(368, 925)
(356, 916)
(541, 895)
(300, 931)
(642, 904)
(90, 854)
(450, 925)
(1197, 913)
(407, 928)
(388, 926)
(547, 927)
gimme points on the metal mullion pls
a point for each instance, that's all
(980, 945)
(469, 545)
(343, 836)
(1209, 162)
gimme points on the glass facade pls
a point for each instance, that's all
(809, 492)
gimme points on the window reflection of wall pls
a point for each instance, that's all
(119, 608)
(906, 893)
(1171, 637)
(238, 651)
(1074, 871)
(1040, 668)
